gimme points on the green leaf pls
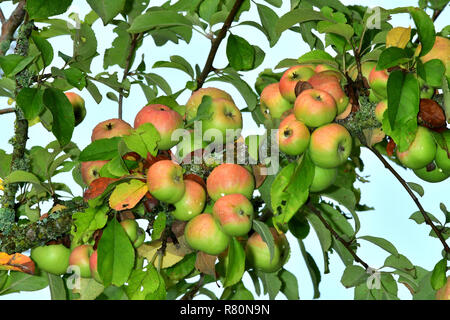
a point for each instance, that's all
(382, 243)
(157, 80)
(101, 149)
(44, 47)
(14, 63)
(87, 222)
(30, 100)
(272, 284)
(341, 29)
(240, 53)
(263, 230)
(353, 276)
(62, 112)
(115, 255)
(438, 278)
(268, 20)
(57, 287)
(417, 188)
(143, 140)
(275, 3)
(298, 16)
(142, 283)
(183, 268)
(314, 271)
(235, 263)
(391, 57)
(90, 289)
(75, 77)
(425, 29)
(432, 72)
(322, 232)
(176, 62)
(159, 225)
(19, 281)
(289, 285)
(43, 9)
(93, 90)
(158, 19)
(107, 9)
(299, 226)
(400, 262)
(316, 57)
(207, 9)
(24, 176)
(446, 92)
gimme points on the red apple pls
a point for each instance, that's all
(229, 178)
(93, 265)
(196, 99)
(90, 170)
(235, 214)
(192, 203)
(111, 128)
(290, 78)
(131, 228)
(80, 257)
(272, 103)
(315, 107)
(378, 82)
(380, 109)
(444, 292)
(165, 181)
(328, 81)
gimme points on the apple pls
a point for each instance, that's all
(373, 97)
(223, 115)
(229, 178)
(192, 203)
(196, 99)
(442, 157)
(325, 76)
(290, 78)
(330, 145)
(421, 151)
(165, 121)
(131, 228)
(78, 105)
(204, 233)
(444, 292)
(52, 258)
(380, 109)
(80, 257)
(440, 50)
(434, 175)
(272, 103)
(344, 114)
(366, 67)
(324, 67)
(378, 82)
(323, 178)
(165, 181)
(111, 128)
(426, 91)
(328, 81)
(93, 265)
(315, 107)
(258, 254)
(189, 144)
(234, 213)
(293, 137)
(90, 170)
(140, 238)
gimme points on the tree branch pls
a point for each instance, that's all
(10, 26)
(413, 196)
(7, 110)
(191, 293)
(216, 43)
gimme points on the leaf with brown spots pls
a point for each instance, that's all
(97, 187)
(16, 262)
(206, 263)
(126, 195)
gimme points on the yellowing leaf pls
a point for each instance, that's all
(172, 253)
(1, 185)
(206, 263)
(16, 262)
(373, 135)
(398, 37)
(126, 195)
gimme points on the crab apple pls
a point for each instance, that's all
(440, 50)
(436, 174)
(52, 258)
(378, 82)
(323, 178)
(290, 78)
(421, 151)
(93, 266)
(78, 105)
(223, 115)
(293, 137)
(380, 109)
(140, 238)
(442, 156)
(234, 213)
(229, 178)
(165, 181)
(165, 121)
(444, 292)
(196, 99)
(330, 145)
(192, 203)
(315, 107)
(272, 103)
(131, 228)
(90, 170)
(329, 83)
(258, 253)
(204, 233)
(111, 128)
(80, 257)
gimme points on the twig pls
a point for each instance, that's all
(215, 43)
(2, 17)
(7, 110)
(413, 196)
(191, 293)
(337, 236)
(126, 71)
(10, 26)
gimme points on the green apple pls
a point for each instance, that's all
(80, 257)
(315, 107)
(223, 116)
(323, 178)
(234, 213)
(426, 91)
(272, 103)
(330, 145)
(140, 238)
(442, 156)
(229, 178)
(434, 175)
(131, 228)
(293, 137)
(196, 99)
(421, 151)
(204, 233)
(93, 265)
(192, 203)
(380, 108)
(378, 82)
(290, 79)
(52, 258)
(165, 181)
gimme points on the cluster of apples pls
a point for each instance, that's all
(307, 100)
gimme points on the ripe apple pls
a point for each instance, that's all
(234, 213)
(164, 119)
(223, 115)
(344, 114)
(258, 254)
(111, 128)
(315, 107)
(323, 178)
(290, 78)
(52, 258)
(192, 203)
(440, 50)
(229, 178)
(90, 170)
(324, 67)
(328, 81)
(434, 175)
(442, 158)
(380, 109)
(196, 99)
(444, 292)
(366, 67)
(165, 181)
(421, 151)
(93, 265)
(204, 233)
(378, 82)
(330, 145)
(293, 137)
(78, 105)
(272, 103)
(131, 228)
(80, 257)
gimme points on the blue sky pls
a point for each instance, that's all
(392, 203)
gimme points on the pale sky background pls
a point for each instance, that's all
(392, 204)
